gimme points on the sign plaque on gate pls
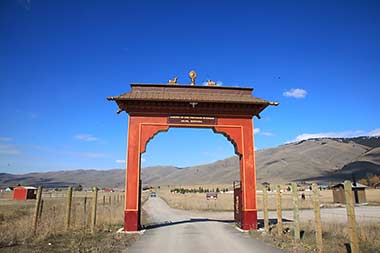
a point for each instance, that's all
(196, 120)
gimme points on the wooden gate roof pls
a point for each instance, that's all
(185, 96)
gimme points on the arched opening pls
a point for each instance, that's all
(188, 169)
(238, 130)
(206, 142)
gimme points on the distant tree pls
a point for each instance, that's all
(217, 189)
(78, 188)
(363, 181)
(374, 180)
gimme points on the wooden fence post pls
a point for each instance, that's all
(265, 209)
(109, 200)
(40, 209)
(68, 207)
(73, 213)
(85, 211)
(351, 217)
(296, 222)
(37, 209)
(317, 218)
(104, 200)
(279, 211)
(54, 218)
(94, 205)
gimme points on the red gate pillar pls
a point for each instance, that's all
(240, 133)
(140, 130)
(131, 211)
(248, 178)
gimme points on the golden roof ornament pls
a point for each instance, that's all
(174, 81)
(211, 83)
(192, 76)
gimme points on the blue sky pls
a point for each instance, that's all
(59, 60)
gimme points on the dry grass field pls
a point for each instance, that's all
(335, 237)
(17, 235)
(373, 196)
(197, 201)
(16, 226)
(224, 202)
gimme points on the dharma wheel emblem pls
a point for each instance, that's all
(192, 76)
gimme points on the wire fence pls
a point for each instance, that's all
(304, 212)
(55, 213)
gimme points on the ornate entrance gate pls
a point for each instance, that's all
(153, 108)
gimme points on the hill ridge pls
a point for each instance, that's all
(317, 159)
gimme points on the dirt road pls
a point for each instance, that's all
(177, 231)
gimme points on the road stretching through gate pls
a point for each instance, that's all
(179, 231)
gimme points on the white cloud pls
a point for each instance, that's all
(5, 139)
(374, 132)
(344, 134)
(85, 137)
(258, 131)
(143, 160)
(63, 151)
(295, 93)
(120, 161)
(8, 149)
(87, 154)
(91, 155)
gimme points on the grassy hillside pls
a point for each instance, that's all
(322, 159)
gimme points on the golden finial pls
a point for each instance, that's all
(211, 83)
(174, 81)
(192, 75)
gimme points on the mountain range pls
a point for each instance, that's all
(324, 160)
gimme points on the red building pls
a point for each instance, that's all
(24, 192)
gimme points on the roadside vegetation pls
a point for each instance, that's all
(373, 181)
(335, 237)
(187, 199)
(16, 225)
